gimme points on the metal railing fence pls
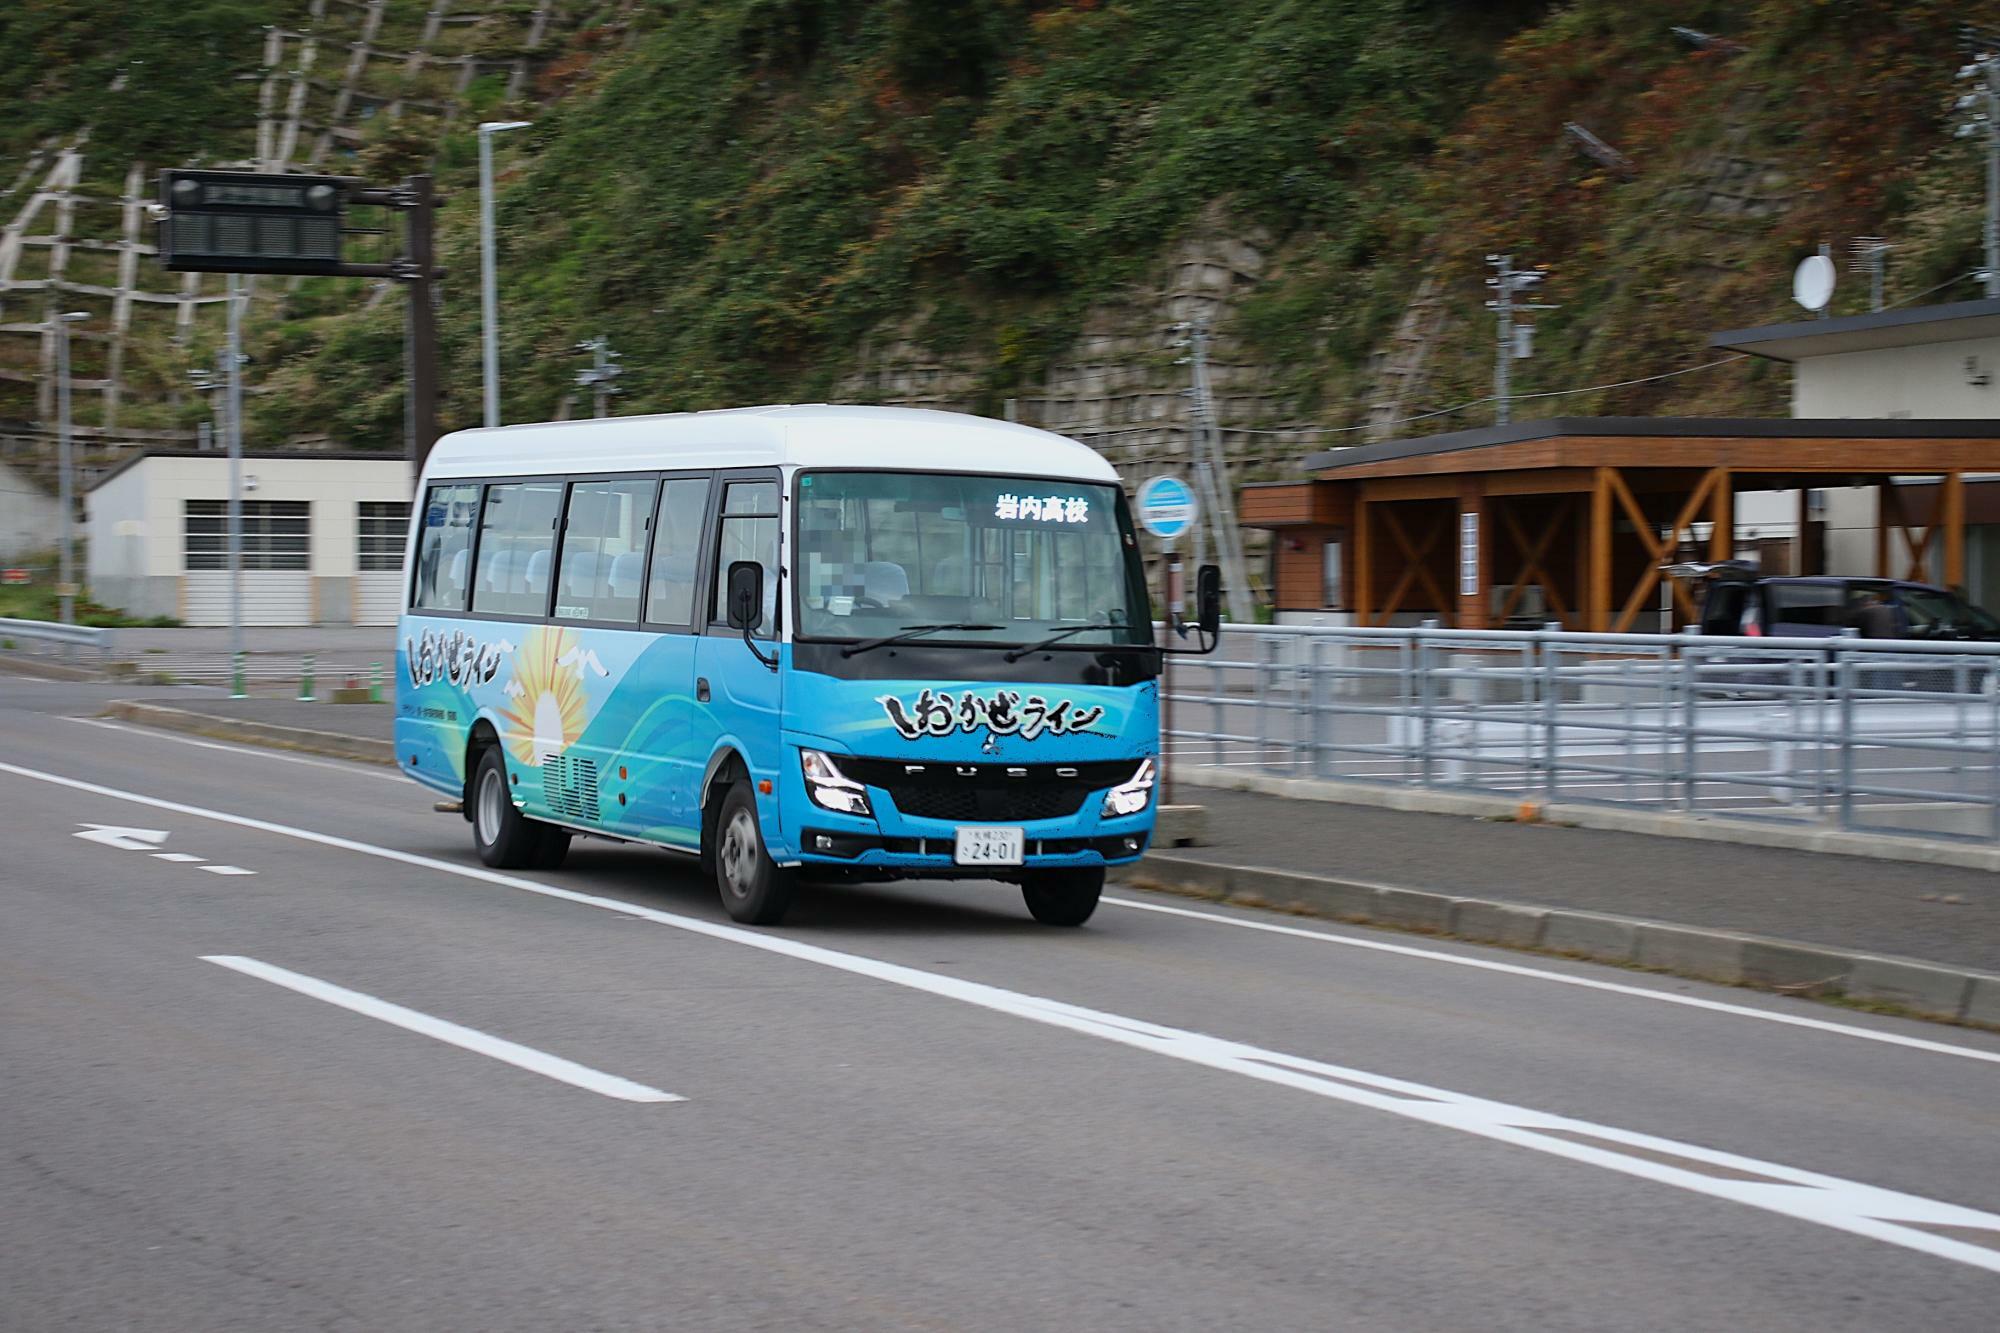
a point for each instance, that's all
(47, 638)
(1888, 736)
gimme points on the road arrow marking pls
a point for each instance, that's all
(130, 839)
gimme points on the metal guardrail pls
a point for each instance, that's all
(46, 638)
(1889, 736)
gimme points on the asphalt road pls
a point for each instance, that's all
(234, 1100)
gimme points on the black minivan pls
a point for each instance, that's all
(1737, 600)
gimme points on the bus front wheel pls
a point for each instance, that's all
(755, 889)
(1063, 897)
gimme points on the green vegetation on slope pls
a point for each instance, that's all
(758, 184)
(743, 194)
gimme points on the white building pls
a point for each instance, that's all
(30, 518)
(322, 537)
(1931, 363)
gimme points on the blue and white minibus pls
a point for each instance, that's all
(820, 643)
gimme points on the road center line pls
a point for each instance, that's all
(470, 1039)
(1863, 1210)
(1566, 979)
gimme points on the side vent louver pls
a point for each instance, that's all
(571, 786)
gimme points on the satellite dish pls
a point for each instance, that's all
(1812, 282)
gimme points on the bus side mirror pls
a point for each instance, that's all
(1208, 600)
(746, 595)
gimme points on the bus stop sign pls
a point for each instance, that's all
(1166, 507)
(249, 222)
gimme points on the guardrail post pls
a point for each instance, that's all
(1316, 695)
(1263, 677)
(1690, 724)
(1551, 705)
(1425, 693)
(1847, 691)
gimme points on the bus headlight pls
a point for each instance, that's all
(1133, 795)
(830, 788)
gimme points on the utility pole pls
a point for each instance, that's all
(604, 369)
(234, 439)
(1982, 106)
(1211, 476)
(65, 558)
(1516, 342)
(489, 301)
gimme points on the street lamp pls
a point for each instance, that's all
(65, 575)
(488, 301)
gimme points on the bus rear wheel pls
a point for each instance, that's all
(1063, 897)
(755, 889)
(505, 838)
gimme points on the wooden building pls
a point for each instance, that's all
(1573, 519)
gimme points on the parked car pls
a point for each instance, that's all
(1737, 600)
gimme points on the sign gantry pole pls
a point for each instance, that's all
(262, 222)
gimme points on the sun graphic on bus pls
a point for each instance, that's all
(545, 709)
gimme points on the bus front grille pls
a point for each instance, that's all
(987, 793)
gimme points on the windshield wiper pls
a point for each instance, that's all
(1053, 639)
(912, 632)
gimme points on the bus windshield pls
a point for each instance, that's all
(881, 552)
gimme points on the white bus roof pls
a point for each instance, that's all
(817, 435)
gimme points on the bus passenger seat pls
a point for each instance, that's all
(624, 576)
(884, 582)
(536, 579)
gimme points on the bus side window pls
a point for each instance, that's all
(517, 537)
(603, 548)
(749, 531)
(444, 549)
(676, 550)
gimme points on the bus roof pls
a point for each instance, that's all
(810, 435)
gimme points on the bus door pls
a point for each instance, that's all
(662, 769)
(736, 694)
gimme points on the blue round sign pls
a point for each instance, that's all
(1166, 507)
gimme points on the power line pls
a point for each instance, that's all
(1471, 403)
(1439, 412)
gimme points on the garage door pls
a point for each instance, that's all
(270, 597)
(378, 598)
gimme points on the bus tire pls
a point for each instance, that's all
(1063, 897)
(552, 850)
(755, 889)
(505, 838)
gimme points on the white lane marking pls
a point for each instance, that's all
(227, 870)
(1325, 937)
(357, 770)
(125, 839)
(1864, 1210)
(183, 857)
(470, 1039)
(1565, 979)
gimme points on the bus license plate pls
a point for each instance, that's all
(988, 847)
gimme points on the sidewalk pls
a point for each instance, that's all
(1925, 938)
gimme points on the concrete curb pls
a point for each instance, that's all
(46, 670)
(1699, 828)
(330, 743)
(1931, 990)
